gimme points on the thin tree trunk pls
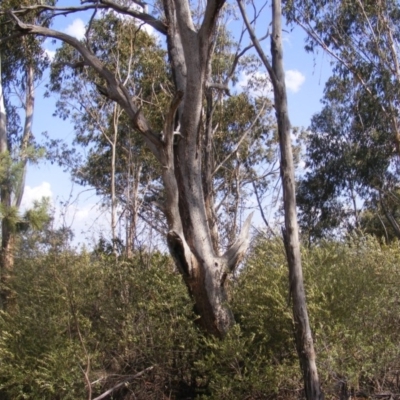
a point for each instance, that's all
(304, 340)
(134, 207)
(6, 193)
(354, 201)
(303, 336)
(3, 119)
(29, 109)
(5, 198)
(113, 144)
(127, 211)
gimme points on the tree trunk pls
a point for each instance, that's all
(113, 144)
(303, 336)
(5, 198)
(134, 206)
(191, 237)
(304, 340)
(27, 133)
(7, 263)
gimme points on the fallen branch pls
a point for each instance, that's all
(110, 391)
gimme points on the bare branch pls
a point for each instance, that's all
(236, 61)
(115, 89)
(211, 14)
(89, 26)
(110, 391)
(41, 8)
(76, 65)
(260, 207)
(158, 25)
(257, 44)
(154, 226)
(219, 86)
(246, 132)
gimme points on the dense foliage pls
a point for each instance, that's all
(85, 317)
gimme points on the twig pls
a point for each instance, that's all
(109, 391)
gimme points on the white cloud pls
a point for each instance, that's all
(35, 193)
(145, 27)
(50, 53)
(88, 221)
(78, 214)
(76, 29)
(88, 212)
(294, 79)
(256, 83)
(84, 213)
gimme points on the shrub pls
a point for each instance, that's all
(82, 318)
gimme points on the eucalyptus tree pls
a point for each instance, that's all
(184, 150)
(116, 163)
(357, 157)
(362, 37)
(380, 215)
(246, 153)
(349, 161)
(275, 70)
(21, 64)
(238, 153)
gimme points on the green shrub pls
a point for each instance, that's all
(76, 314)
(80, 318)
(354, 307)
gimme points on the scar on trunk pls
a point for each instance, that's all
(177, 250)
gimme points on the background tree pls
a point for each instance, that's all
(21, 63)
(115, 161)
(349, 161)
(363, 39)
(380, 215)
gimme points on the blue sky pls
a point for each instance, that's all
(305, 77)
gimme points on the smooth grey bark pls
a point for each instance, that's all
(3, 118)
(27, 133)
(112, 141)
(189, 204)
(5, 199)
(303, 335)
